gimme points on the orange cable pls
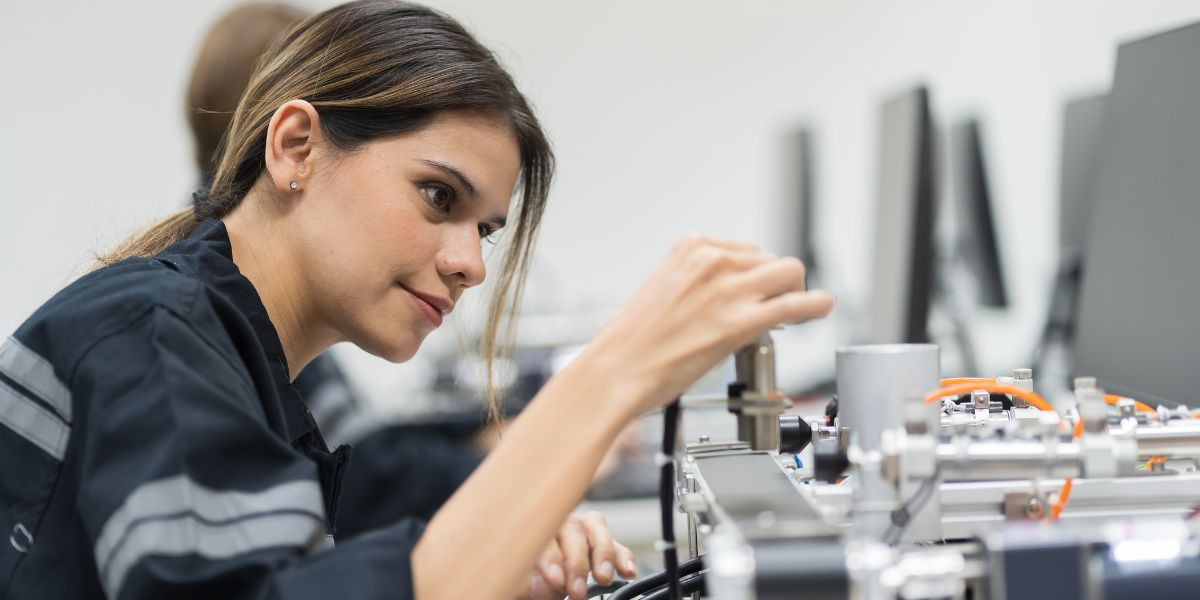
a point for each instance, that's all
(949, 381)
(1061, 502)
(963, 389)
(1112, 399)
(1064, 494)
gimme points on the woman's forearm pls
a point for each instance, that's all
(489, 534)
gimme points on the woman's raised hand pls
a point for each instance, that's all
(708, 298)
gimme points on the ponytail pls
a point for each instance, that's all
(153, 239)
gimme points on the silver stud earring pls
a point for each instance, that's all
(294, 185)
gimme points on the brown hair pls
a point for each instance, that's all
(227, 57)
(375, 68)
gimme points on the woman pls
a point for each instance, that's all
(153, 444)
(385, 457)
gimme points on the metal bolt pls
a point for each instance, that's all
(704, 439)
(981, 399)
(1034, 509)
(1126, 408)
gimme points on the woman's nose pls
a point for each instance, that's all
(461, 256)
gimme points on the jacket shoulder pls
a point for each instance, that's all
(109, 300)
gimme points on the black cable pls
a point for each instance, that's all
(903, 515)
(652, 582)
(669, 578)
(666, 498)
(595, 589)
(688, 585)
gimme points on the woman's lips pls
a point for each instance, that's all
(432, 313)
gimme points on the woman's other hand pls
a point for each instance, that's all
(583, 545)
(708, 298)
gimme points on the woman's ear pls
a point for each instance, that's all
(291, 134)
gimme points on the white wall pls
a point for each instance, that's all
(667, 116)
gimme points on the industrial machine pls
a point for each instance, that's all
(910, 486)
(920, 488)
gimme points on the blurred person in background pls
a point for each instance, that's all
(385, 458)
(153, 443)
(227, 57)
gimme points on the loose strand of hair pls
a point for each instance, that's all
(154, 239)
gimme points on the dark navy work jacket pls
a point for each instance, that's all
(396, 470)
(152, 446)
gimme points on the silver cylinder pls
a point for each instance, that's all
(760, 404)
(761, 431)
(755, 366)
(1174, 440)
(874, 382)
(988, 460)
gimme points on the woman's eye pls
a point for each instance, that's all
(438, 195)
(487, 233)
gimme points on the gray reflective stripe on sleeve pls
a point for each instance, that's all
(36, 374)
(187, 535)
(177, 516)
(32, 422)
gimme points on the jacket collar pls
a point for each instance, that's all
(207, 255)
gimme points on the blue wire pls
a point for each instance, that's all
(796, 459)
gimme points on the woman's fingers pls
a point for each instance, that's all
(695, 240)
(792, 307)
(551, 570)
(539, 589)
(772, 278)
(711, 262)
(573, 542)
(583, 544)
(603, 547)
(626, 567)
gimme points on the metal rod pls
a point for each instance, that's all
(1177, 440)
(981, 461)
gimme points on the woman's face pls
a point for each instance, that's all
(391, 234)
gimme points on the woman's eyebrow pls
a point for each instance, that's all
(455, 173)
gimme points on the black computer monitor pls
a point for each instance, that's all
(975, 244)
(1083, 122)
(801, 174)
(1139, 315)
(902, 271)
